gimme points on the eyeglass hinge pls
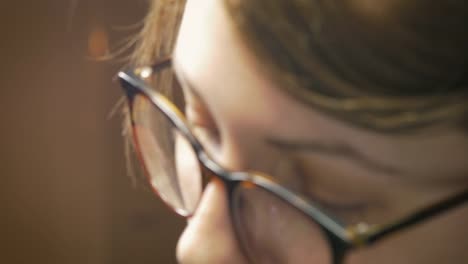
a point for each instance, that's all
(359, 234)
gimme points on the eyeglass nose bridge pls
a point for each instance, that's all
(212, 170)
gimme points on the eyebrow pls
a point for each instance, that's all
(337, 149)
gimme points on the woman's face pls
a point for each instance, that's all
(246, 122)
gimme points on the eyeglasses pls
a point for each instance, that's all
(271, 222)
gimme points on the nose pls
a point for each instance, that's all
(209, 236)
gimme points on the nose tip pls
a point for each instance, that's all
(209, 237)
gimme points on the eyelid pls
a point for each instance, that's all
(345, 210)
(196, 110)
(200, 119)
(339, 207)
(203, 126)
(197, 115)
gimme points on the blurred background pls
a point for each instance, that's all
(65, 196)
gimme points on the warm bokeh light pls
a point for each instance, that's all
(65, 196)
(98, 42)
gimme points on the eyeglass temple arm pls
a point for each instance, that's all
(163, 63)
(418, 217)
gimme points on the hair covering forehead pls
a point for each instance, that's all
(388, 71)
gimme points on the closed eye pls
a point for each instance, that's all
(200, 118)
(351, 212)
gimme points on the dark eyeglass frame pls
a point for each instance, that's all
(342, 238)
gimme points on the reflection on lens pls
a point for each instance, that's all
(272, 231)
(168, 157)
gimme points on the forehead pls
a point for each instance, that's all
(203, 26)
(213, 57)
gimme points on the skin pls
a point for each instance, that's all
(240, 111)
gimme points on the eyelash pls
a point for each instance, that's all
(351, 212)
(346, 211)
(201, 122)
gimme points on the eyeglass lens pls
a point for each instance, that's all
(269, 229)
(273, 231)
(169, 159)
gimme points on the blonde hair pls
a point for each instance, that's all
(399, 72)
(158, 35)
